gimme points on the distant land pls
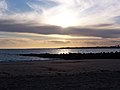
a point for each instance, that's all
(97, 47)
(78, 56)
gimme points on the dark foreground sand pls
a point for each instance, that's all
(60, 75)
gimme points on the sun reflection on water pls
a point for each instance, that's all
(64, 51)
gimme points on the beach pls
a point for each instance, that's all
(94, 74)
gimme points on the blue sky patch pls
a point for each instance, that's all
(18, 5)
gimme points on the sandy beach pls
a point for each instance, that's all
(61, 75)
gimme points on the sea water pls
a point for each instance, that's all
(12, 54)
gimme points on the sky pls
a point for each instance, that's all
(59, 23)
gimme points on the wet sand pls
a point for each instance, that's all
(61, 75)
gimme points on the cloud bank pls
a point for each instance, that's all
(60, 22)
(47, 29)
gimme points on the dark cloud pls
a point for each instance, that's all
(8, 26)
(104, 33)
(103, 25)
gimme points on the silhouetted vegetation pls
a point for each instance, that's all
(99, 47)
(103, 55)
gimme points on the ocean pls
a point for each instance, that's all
(12, 54)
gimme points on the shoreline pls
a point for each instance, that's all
(54, 60)
(77, 56)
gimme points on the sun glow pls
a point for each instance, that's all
(64, 19)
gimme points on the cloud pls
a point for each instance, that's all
(52, 20)
(5, 26)
(3, 6)
(59, 42)
(63, 13)
(103, 25)
(30, 43)
(80, 12)
(104, 42)
(41, 5)
(16, 27)
(21, 43)
(13, 42)
(104, 33)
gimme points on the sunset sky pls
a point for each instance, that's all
(59, 23)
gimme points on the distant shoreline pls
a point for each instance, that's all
(109, 47)
(102, 55)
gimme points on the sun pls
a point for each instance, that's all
(64, 19)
